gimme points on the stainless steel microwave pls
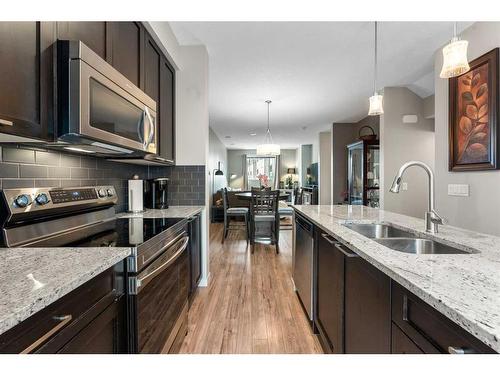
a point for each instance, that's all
(98, 109)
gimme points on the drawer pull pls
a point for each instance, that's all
(346, 252)
(327, 237)
(459, 350)
(63, 321)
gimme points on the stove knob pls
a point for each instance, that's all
(22, 200)
(102, 193)
(110, 192)
(42, 199)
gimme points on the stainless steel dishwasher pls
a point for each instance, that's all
(303, 264)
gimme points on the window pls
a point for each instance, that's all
(260, 167)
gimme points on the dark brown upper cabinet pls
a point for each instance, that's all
(158, 81)
(151, 72)
(167, 112)
(126, 41)
(92, 34)
(26, 79)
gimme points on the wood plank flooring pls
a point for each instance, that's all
(249, 305)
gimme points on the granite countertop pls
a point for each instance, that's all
(171, 212)
(463, 287)
(33, 278)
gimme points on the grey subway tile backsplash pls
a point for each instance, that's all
(47, 158)
(29, 168)
(18, 155)
(17, 183)
(32, 171)
(9, 170)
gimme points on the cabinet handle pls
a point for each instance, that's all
(459, 350)
(327, 237)
(63, 321)
(347, 253)
(6, 122)
(405, 308)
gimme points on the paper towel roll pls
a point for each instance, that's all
(135, 192)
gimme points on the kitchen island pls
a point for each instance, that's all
(465, 288)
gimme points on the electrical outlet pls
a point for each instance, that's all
(404, 185)
(458, 190)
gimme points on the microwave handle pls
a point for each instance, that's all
(151, 127)
(140, 129)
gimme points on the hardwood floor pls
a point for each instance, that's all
(249, 305)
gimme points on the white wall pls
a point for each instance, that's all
(400, 143)
(192, 107)
(480, 210)
(217, 152)
(325, 167)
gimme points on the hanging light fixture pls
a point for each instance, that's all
(268, 148)
(376, 100)
(455, 57)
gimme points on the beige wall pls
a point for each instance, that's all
(342, 135)
(325, 167)
(400, 143)
(480, 210)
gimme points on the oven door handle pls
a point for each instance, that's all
(141, 282)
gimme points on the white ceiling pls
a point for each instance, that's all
(315, 73)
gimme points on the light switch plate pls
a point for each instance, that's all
(458, 190)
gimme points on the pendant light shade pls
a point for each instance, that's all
(268, 148)
(455, 60)
(376, 105)
(376, 100)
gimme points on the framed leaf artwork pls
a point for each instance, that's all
(473, 127)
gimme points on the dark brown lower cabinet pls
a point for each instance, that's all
(330, 294)
(428, 328)
(90, 319)
(401, 344)
(367, 308)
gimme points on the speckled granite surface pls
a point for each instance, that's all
(464, 287)
(33, 278)
(172, 211)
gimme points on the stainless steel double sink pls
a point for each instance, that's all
(404, 241)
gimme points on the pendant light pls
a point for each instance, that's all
(376, 100)
(268, 148)
(455, 57)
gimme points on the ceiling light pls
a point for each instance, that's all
(376, 100)
(455, 57)
(268, 148)
(227, 136)
(253, 134)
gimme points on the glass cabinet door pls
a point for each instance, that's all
(355, 174)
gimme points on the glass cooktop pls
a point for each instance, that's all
(127, 232)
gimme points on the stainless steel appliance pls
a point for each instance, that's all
(156, 193)
(303, 264)
(157, 271)
(98, 109)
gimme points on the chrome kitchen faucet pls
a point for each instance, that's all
(432, 219)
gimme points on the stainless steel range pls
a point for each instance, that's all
(157, 270)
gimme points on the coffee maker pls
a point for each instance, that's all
(156, 193)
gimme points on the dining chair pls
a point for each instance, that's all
(230, 212)
(284, 210)
(299, 195)
(264, 209)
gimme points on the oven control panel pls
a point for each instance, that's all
(73, 195)
(38, 200)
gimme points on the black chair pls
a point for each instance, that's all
(299, 195)
(264, 209)
(230, 212)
